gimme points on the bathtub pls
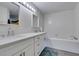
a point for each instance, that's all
(64, 44)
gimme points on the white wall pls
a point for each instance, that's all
(25, 23)
(65, 24)
(26, 19)
(40, 16)
(76, 13)
(41, 21)
(60, 24)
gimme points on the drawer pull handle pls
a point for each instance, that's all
(20, 54)
(23, 53)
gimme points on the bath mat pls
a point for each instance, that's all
(47, 51)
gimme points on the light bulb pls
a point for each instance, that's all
(24, 3)
(28, 5)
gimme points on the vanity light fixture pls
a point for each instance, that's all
(24, 3)
(28, 6)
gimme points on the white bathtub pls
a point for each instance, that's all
(64, 44)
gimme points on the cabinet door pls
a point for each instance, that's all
(39, 45)
(42, 43)
(8, 51)
(25, 48)
(29, 51)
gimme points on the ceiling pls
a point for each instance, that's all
(48, 7)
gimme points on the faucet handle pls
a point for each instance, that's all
(2, 35)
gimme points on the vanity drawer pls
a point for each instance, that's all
(37, 38)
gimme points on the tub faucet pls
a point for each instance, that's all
(74, 37)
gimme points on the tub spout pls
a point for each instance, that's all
(75, 38)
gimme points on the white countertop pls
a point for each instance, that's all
(11, 39)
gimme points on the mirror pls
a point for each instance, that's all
(35, 21)
(9, 13)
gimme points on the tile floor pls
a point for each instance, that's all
(56, 52)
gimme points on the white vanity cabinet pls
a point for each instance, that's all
(17, 48)
(31, 46)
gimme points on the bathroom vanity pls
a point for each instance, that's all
(30, 44)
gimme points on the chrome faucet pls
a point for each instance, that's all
(74, 37)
